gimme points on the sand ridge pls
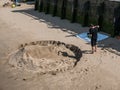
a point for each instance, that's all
(46, 56)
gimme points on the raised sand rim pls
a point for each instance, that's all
(46, 56)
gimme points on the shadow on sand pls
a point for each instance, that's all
(72, 28)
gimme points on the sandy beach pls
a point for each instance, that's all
(23, 27)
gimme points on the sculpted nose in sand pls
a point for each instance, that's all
(46, 56)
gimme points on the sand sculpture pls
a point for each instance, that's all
(45, 56)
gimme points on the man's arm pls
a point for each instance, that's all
(97, 26)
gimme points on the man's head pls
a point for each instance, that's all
(93, 26)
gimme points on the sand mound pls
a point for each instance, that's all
(45, 56)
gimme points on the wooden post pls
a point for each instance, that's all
(47, 7)
(86, 19)
(74, 12)
(36, 5)
(87, 7)
(63, 11)
(101, 12)
(40, 5)
(117, 21)
(55, 7)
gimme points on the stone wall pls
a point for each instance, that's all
(81, 12)
(110, 6)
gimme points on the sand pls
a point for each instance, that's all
(22, 25)
(45, 57)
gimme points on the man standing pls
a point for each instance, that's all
(93, 31)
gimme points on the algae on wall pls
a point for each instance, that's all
(84, 12)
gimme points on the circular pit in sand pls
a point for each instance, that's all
(45, 56)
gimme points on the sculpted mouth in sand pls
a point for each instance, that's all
(46, 56)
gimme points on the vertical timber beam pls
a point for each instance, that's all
(47, 7)
(74, 11)
(55, 7)
(63, 11)
(36, 5)
(87, 7)
(117, 21)
(40, 5)
(101, 12)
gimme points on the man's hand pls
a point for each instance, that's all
(97, 26)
